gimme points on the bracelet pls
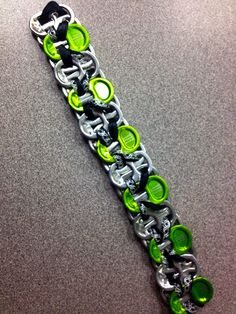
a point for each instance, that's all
(143, 191)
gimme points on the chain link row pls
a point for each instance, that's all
(137, 182)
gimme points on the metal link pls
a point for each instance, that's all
(66, 76)
(41, 30)
(120, 176)
(89, 128)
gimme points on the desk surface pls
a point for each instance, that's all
(66, 243)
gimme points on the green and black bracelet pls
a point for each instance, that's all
(143, 191)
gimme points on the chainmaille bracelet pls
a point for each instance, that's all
(117, 144)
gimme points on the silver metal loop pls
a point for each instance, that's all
(165, 210)
(87, 65)
(40, 41)
(66, 76)
(77, 21)
(116, 100)
(180, 271)
(41, 30)
(188, 266)
(87, 126)
(65, 91)
(162, 279)
(92, 145)
(131, 170)
(125, 121)
(101, 73)
(119, 177)
(133, 217)
(105, 117)
(142, 228)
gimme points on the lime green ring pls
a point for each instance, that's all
(123, 131)
(104, 153)
(154, 251)
(50, 49)
(74, 101)
(77, 37)
(107, 83)
(176, 305)
(130, 203)
(163, 188)
(202, 290)
(181, 238)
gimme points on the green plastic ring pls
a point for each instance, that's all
(154, 251)
(130, 202)
(181, 238)
(128, 138)
(104, 153)
(77, 37)
(50, 49)
(74, 101)
(202, 290)
(176, 305)
(102, 89)
(157, 189)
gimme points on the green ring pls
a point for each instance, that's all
(154, 251)
(181, 238)
(130, 203)
(157, 189)
(77, 37)
(50, 49)
(104, 153)
(176, 305)
(128, 138)
(74, 101)
(105, 82)
(202, 290)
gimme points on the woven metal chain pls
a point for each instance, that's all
(117, 144)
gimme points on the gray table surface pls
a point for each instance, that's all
(66, 245)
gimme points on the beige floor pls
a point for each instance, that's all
(66, 245)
